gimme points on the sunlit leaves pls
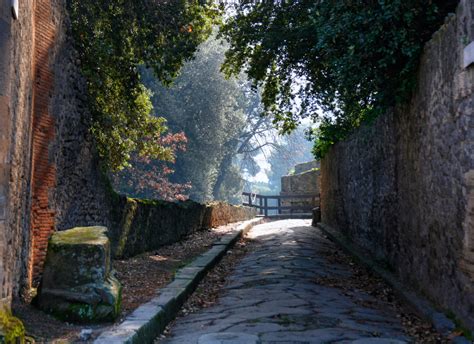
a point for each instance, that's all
(114, 38)
(355, 58)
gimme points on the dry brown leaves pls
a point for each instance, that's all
(362, 279)
(140, 276)
(210, 288)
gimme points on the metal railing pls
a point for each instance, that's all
(261, 202)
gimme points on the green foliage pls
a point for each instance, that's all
(351, 60)
(114, 38)
(11, 328)
(212, 112)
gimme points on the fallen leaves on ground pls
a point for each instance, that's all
(362, 279)
(140, 277)
(210, 288)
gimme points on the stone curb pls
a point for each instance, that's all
(150, 319)
(419, 304)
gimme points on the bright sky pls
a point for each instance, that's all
(262, 159)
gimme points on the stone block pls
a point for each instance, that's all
(228, 239)
(77, 283)
(189, 273)
(228, 337)
(306, 166)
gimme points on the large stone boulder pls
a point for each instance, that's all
(78, 284)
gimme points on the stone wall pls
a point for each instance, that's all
(221, 213)
(301, 183)
(16, 75)
(143, 225)
(403, 188)
(307, 166)
(66, 185)
(49, 177)
(80, 193)
(305, 181)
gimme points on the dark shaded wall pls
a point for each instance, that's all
(143, 225)
(66, 188)
(49, 176)
(16, 75)
(403, 188)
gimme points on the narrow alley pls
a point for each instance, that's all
(275, 296)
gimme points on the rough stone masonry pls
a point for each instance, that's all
(49, 176)
(49, 171)
(403, 188)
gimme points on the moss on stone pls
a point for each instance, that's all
(80, 235)
(83, 311)
(129, 216)
(11, 328)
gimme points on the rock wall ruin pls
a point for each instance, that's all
(403, 188)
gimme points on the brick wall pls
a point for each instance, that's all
(43, 171)
(49, 170)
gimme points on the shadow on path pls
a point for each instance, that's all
(273, 294)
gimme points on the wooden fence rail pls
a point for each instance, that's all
(261, 202)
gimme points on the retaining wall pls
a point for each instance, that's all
(403, 188)
(144, 225)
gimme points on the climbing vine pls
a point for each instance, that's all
(339, 62)
(114, 39)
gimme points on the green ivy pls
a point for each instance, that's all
(114, 38)
(340, 62)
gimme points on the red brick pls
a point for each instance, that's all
(44, 173)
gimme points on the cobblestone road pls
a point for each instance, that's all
(272, 296)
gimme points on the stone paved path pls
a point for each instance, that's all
(272, 294)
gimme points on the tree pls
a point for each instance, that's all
(220, 119)
(349, 59)
(149, 178)
(293, 149)
(113, 39)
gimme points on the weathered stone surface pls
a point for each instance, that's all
(221, 213)
(77, 283)
(272, 295)
(302, 183)
(403, 188)
(16, 75)
(305, 182)
(228, 338)
(145, 225)
(306, 166)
